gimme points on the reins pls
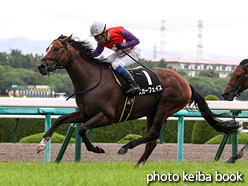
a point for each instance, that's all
(85, 91)
(63, 64)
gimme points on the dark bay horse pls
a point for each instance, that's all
(236, 85)
(100, 99)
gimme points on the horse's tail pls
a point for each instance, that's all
(220, 126)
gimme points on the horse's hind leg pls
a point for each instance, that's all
(75, 117)
(239, 155)
(161, 115)
(152, 134)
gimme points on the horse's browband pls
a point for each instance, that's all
(61, 64)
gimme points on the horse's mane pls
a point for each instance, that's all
(85, 49)
(243, 62)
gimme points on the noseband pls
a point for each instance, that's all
(238, 89)
(60, 64)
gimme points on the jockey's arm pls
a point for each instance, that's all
(99, 49)
(131, 40)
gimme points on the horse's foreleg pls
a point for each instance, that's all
(239, 155)
(150, 146)
(97, 121)
(75, 117)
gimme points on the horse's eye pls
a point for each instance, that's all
(56, 49)
(238, 76)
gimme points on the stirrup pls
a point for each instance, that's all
(133, 90)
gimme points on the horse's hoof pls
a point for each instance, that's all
(122, 151)
(41, 147)
(230, 160)
(99, 150)
(139, 165)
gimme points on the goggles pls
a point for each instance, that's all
(98, 38)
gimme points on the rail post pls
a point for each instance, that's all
(47, 152)
(78, 144)
(221, 147)
(235, 136)
(65, 143)
(47, 112)
(180, 139)
(14, 130)
(161, 137)
(234, 144)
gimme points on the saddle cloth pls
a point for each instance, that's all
(147, 80)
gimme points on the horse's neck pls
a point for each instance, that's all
(83, 74)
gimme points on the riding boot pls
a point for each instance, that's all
(134, 87)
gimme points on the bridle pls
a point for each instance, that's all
(239, 89)
(60, 64)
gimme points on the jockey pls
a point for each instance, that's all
(117, 38)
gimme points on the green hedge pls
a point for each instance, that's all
(242, 139)
(115, 132)
(56, 138)
(107, 134)
(170, 135)
(128, 138)
(212, 98)
(202, 132)
(25, 128)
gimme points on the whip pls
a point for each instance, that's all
(136, 61)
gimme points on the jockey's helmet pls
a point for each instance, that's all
(97, 29)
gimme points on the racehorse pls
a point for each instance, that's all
(100, 99)
(236, 85)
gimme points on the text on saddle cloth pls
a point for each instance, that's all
(148, 81)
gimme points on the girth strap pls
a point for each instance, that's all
(127, 109)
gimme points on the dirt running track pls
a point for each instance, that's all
(163, 152)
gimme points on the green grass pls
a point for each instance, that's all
(112, 173)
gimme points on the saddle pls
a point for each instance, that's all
(146, 79)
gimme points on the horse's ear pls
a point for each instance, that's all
(67, 38)
(60, 36)
(245, 61)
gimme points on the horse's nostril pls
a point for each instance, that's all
(42, 66)
(224, 94)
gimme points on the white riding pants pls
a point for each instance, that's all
(117, 58)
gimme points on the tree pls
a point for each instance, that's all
(207, 86)
(4, 58)
(18, 60)
(209, 73)
(17, 68)
(162, 64)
